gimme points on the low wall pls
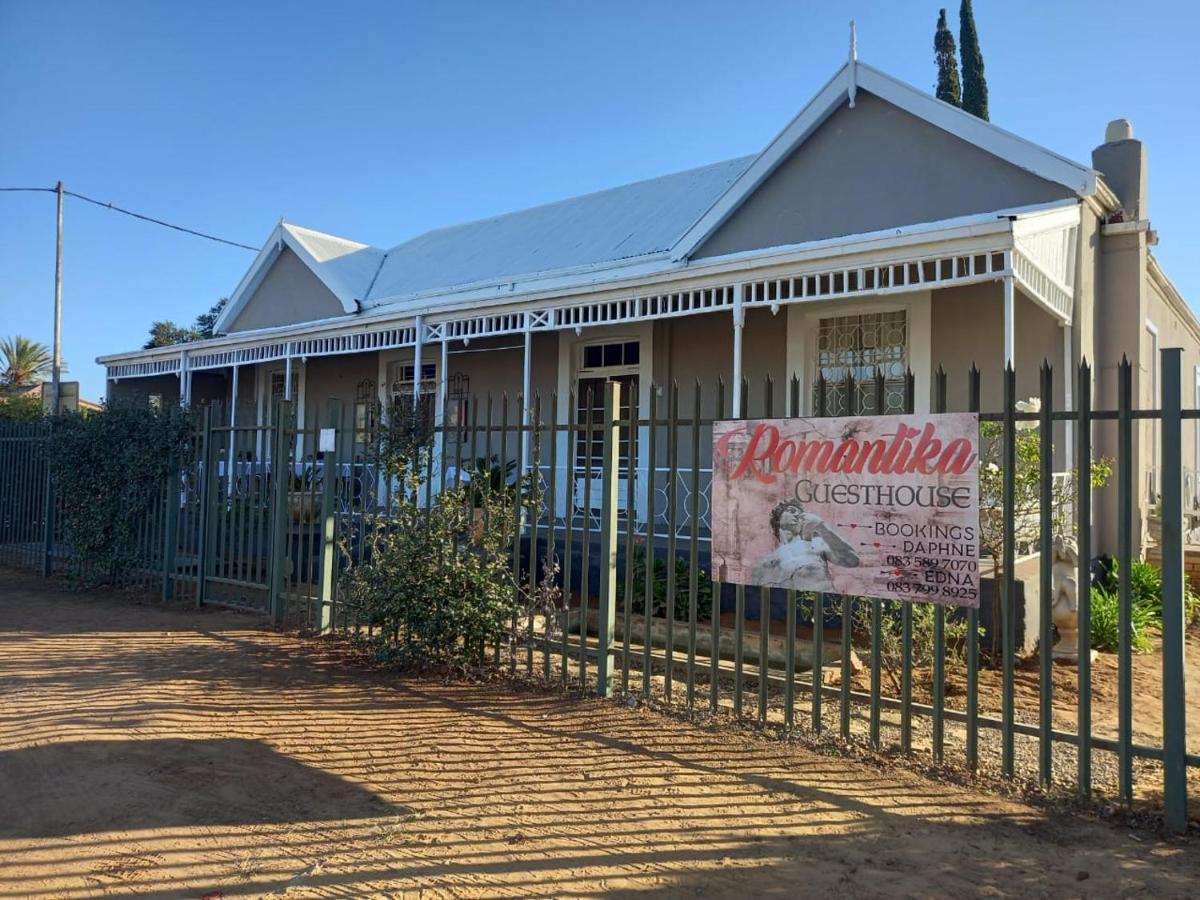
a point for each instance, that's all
(1191, 563)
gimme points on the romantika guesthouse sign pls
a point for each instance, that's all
(872, 506)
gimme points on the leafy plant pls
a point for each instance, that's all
(680, 605)
(436, 583)
(1145, 589)
(924, 616)
(1027, 482)
(1145, 617)
(20, 408)
(109, 469)
(435, 589)
(25, 362)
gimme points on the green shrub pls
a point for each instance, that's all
(1145, 617)
(680, 606)
(21, 408)
(110, 469)
(1145, 589)
(436, 582)
(924, 616)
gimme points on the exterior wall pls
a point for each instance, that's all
(211, 386)
(140, 389)
(335, 377)
(1120, 329)
(289, 293)
(870, 168)
(1173, 331)
(968, 328)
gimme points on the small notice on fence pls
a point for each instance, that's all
(871, 506)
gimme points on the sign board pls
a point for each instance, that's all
(68, 397)
(328, 440)
(871, 506)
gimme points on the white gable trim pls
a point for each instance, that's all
(281, 237)
(796, 132)
(990, 138)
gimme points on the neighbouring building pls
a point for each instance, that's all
(881, 229)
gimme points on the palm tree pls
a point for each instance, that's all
(26, 362)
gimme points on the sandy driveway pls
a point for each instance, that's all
(174, 753)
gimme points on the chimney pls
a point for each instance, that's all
(1121, 159)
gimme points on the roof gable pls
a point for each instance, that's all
(871, 168)
(288, 294)
(842, 90)
(345, 268)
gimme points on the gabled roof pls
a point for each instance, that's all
(661, 221)
(842, 89)
(622, 223)
(345, 267)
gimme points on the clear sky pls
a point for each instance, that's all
(377, 121)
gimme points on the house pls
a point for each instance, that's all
(881, 229)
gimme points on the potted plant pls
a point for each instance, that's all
(304, 502)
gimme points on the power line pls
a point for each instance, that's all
(144, 218)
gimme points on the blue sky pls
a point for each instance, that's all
(378, 121)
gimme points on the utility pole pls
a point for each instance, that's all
(56, 372)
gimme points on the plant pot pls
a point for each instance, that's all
(304, 509)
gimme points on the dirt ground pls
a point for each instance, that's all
(172, 753)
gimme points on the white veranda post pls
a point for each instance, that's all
(739, 321)
(1009, 311)
(420, 346)
(526, 400)
(1068, 380)
(230, 462)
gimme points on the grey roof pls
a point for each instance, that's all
(622, 223)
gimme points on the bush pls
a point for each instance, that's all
(680, 606)
(437, 585)
(1144, 618)
(1145, 589)
(110, 469)
(21, 408)
(924, 616)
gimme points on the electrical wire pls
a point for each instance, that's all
(135, 215)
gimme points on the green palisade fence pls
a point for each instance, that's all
(616, 494)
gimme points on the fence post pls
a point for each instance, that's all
(48, 547)
(207, 468)
(1173, 675)
(281, 476)
(608, 542)
(171, 530)
(331, 472)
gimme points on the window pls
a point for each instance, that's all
(862, 346)
(277, 381)
(609, 356)
(402, 385)
(600, 363)
(276, 384)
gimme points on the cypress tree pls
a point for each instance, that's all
(974, 85)
(948, 88)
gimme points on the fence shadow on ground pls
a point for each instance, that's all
(342, 782)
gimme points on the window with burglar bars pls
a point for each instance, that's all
(403, 384)
(862, 346)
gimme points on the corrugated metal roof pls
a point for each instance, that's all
(621, 223)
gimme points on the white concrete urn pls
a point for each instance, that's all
(1064, 608)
